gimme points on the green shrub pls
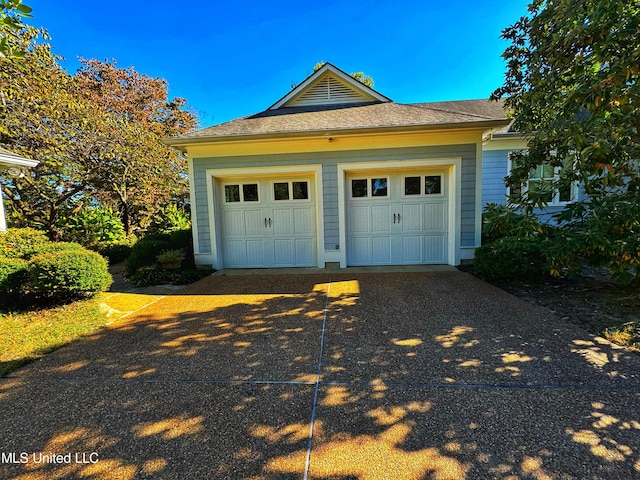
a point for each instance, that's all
(94, 226)
(171, 218)
(51, 247)
(144, 254)
(67, 274)
(12, 272)
(20, 242)
(118, 251)
(499, 221)
(511, 258)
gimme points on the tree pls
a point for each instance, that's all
(11, 14)
(360, 76)
(147, 175)
(92, 150)
(572, 86)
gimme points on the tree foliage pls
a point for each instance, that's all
(97, 137)
(11, 14)
(360, 76)
(572, 86)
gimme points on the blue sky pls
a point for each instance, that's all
(238, 57)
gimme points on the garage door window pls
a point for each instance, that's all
(247, 192)
(423, 185)
(294, 190)
(370, 187)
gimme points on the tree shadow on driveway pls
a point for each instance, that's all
(425, 376)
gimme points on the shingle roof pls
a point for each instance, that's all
(353, 117)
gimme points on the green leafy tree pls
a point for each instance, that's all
(146, 175)
(572, 86)
(360, 76)
(11, 14)
(97, 137)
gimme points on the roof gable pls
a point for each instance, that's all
(329, 86)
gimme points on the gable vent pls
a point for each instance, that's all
(329, 91)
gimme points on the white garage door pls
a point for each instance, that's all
(268, 222)
(397, 219)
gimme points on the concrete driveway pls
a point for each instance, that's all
(367, 376)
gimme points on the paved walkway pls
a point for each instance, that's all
(368, 376)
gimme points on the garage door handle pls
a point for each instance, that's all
(269, 222)
(398, 218)
(394, 218)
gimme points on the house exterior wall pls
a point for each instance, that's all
(205, 159)
(495, 167)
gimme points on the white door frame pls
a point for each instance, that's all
(212, 175)
(453, 167)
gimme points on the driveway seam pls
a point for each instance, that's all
(317, 387)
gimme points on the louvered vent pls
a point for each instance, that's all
(330, 90)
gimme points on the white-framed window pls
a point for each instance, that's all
(429, 185)
(290, 190)
(541, 180)
(370, 187)
(241, 192)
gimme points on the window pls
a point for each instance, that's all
(414, 185)
(298, 190)
(541, 180)
(370, 187)
(249, 193)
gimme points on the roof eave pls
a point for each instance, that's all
(181, 142)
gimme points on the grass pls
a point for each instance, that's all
(26, 336)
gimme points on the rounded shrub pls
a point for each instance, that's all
(67, 273)
(510, 258)
(51, 247)
(12, 272)
(20, 242)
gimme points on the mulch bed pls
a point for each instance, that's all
(590, 299)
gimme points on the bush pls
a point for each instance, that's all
(12, 272)
(499, 221)
(510, 258)
(20, 242)
(51, 247)
(116, 252)
(94, 226)
(144, 252)
(170, 219)
(67, 274)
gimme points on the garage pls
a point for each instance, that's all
(397, 218)
(268, 222)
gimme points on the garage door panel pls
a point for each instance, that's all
(253, 223)
(381, 246)
(233, 223)
(255, 252)
(434, 216)
(412, 249)
(411, 219)
(359, 219)
(304, 251)
(235, 253)
(360, 250)
(283, 252)
(434, 248)
(381, 218)
(303, 221)
(282, 221)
